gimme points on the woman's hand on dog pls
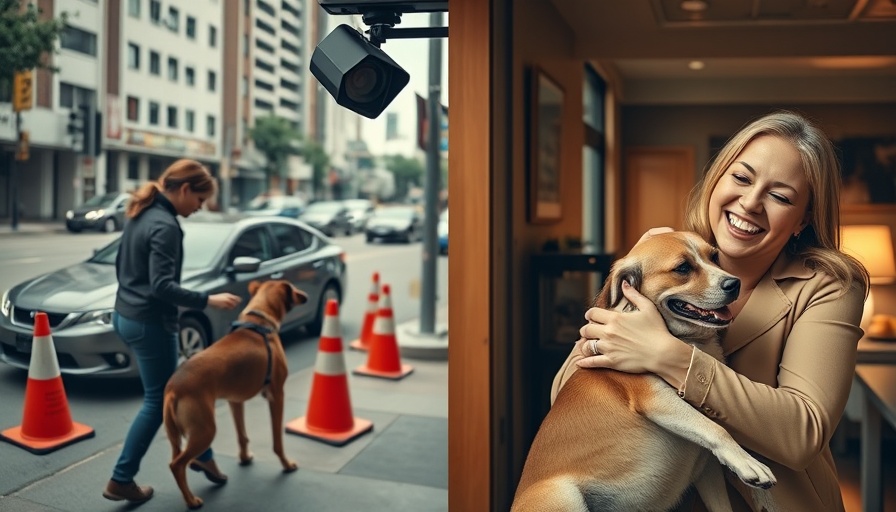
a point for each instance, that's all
(633, 342)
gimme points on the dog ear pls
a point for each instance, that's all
(253, 287)
(611, 294)
(295, 295)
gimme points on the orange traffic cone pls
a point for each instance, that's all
(383, 359)
(329, 417)
(47, 422)
(366, 338)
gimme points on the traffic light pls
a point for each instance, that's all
(75, 128)
(22, 91)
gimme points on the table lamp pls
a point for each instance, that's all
(872, 245)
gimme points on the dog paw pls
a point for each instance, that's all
(753, 473)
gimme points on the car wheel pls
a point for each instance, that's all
(191, 339)
(317, 325)
(109, 225)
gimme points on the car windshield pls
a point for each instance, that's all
(202, 242)
(323, 207)
(394, 213)
(102, 200)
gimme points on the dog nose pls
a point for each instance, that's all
(731, 285)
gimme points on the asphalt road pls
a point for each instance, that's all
(109, 406)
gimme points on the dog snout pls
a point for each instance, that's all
(731, 286)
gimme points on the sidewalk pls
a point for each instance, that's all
(31, 228)
(402, 465)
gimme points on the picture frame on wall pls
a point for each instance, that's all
(545, 123)
(868, 167)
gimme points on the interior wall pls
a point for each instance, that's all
(647, 125)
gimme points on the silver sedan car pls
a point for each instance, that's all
(220, 255)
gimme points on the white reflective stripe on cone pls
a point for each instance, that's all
(44, 365)
(330, 364)
(384, 325)
(331, 328)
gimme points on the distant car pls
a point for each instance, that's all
(396, 223)
(220, 255)
(279, 206)
(359, 211)
(99, 213)
(443, 232)
(330, 217)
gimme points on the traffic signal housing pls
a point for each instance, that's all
(76, 128)
(22, 91)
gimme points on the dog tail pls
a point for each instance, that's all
(169, 415)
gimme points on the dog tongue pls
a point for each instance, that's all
(723, 314)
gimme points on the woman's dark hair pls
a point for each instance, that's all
(175, 176)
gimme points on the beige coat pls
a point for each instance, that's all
(791, 356)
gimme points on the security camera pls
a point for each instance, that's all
(359, 76)
(396, 6)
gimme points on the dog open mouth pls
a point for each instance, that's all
(718, 317)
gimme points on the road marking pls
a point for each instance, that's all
(24, 260)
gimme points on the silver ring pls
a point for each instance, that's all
(592, 344)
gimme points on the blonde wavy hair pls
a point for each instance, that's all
(818, 245)
(182, 171)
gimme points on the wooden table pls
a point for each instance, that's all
(873, 351)
(878, 385)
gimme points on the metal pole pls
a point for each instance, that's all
(432, 184)
(13, 185)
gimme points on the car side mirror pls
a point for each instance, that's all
(244, 264)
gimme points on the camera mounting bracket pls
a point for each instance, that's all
(382, 27)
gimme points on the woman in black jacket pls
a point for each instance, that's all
(149, 268)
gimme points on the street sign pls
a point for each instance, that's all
(22, 97)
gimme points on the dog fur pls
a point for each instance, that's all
(616, 441)
(236, 369)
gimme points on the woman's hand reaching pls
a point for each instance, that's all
(224, 300)
(633, 342)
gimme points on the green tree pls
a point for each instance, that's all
(25, 40)
(408, 172)
(276, 138)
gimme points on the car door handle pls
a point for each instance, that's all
(276, 275)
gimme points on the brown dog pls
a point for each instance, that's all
(616, 441)
(237, 367)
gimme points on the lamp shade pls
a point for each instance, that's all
(873, 246)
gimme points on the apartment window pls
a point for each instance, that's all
(289, 27)
(173, 19)
(155, 63)
(212, 36)
(191, 27)
(261, 84)
(155, 11)
(264, 46)
(133, 56)
(133, 109)
(291, 105)
(245, 45)
(211, 81)
(134, 8)
(266, 7)
(172, 117)
(72, 95)
(190, 121)
(78, 40)
(210, 125)
(267, 27)
(263, 105)
(172, 69)
(260, 64)
(190, 76)
(244, 86)
(289, 8)
(133, 168)
(593, 155)
(153, 113)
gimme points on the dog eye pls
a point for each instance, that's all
(684, 268)
(714, 257)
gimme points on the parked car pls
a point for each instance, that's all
(397, 223)
(330, 217)
(279, 206)
(221, 254)
(101, 213)
(443, 232)
(359, 211)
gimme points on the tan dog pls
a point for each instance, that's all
(616, 441)
(237, 367)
